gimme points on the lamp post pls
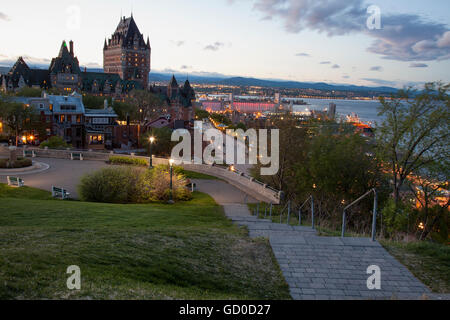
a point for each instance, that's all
(151, 140)
(171, 161)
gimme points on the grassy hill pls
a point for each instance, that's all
(184, 251)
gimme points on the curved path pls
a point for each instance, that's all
(61, 173)
(67, 174)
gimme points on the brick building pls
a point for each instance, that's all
(127, 54)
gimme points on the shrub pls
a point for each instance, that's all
(54, 142)
(112, 185)
(128, 161)
(132, 185)
(156, 185)
(19, 163)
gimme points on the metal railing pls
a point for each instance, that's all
(288, 207)
(374, 214)
(311, 197)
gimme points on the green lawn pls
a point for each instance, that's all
(184, 251)
(430, 262)
(196, 175)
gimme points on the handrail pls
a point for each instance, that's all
(284, 208)
(374, 214)
(311, 197)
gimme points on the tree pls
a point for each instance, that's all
(163, 144)
(147, 105)
(201, 114)
(17, 116)
(415, 131)
(430, 188)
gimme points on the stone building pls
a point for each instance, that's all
(67, 117)
(65, 75)
(180, 100)
(127, 54)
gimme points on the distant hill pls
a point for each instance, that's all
(241, 81)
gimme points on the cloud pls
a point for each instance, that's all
(215, 46)
(380, 82)
(346, 77)
(302, 54)
(178, 43)
(336, 66)
(403, 37)
(4, 17)
(376, 68)
(325, 62)
(184, 67)
(418, 65)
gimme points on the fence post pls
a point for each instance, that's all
(265, 210)
(257, 210)
(343, 225)
(289, 212)
(374, 218)
(299, 216)
(271, 204)
(312, 211)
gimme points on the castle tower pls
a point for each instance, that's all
(127, 54)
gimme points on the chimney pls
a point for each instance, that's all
(71, 48)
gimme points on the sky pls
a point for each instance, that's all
(302, 40)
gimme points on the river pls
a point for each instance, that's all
(365, 109)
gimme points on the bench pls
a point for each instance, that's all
(60, 193)
(29, 153)
(76, 156)
(15, 181)
(191, 186)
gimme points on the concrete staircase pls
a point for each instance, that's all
(330, 267)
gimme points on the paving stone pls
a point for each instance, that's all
(331, 267)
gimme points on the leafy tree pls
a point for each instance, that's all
(95, 102)
(201, 114)
(17, 116)
(431, 188)
(163, 144)
(54, 142)
(415, 131)
(29, 92)
(124, 109)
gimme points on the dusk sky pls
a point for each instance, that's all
(302, 40)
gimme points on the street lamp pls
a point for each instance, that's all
(151, 140)
(171, 161)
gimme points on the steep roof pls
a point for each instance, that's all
(64, 62)
(32, 77)
(127, 32)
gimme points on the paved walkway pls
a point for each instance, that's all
(328, 267)
(61, 173)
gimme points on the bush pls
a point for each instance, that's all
(54, 142)
(112, 185)
(19, 163)
(128, 161)
(132, 185)
(395, 218)
(156, 185)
